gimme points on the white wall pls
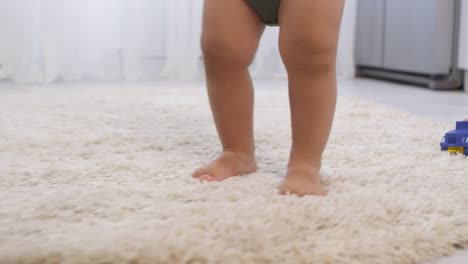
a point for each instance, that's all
(463, 58)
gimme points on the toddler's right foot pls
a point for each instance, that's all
(227, 165)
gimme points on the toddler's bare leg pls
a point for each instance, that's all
(231, 32)
(308, 42)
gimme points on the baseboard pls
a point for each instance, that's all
(436, 82)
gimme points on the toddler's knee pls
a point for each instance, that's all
(308, 54)
(221, 51)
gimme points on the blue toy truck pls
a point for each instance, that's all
(456, 141)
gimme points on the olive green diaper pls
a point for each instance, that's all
(267, 10)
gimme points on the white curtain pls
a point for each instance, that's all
(51, 40)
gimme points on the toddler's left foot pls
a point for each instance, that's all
(301, 181)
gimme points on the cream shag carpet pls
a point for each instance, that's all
(103, 176)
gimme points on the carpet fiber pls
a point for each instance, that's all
(103, 176)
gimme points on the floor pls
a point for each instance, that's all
(445, 106)
(440, 105)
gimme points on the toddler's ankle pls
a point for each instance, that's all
(246, 155)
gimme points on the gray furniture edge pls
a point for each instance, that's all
(453, 80)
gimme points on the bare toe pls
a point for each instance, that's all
(227, 165)
(301, 182)
(198, 173)
(302, 189)
(207, 177)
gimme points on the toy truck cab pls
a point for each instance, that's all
(456, 141)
